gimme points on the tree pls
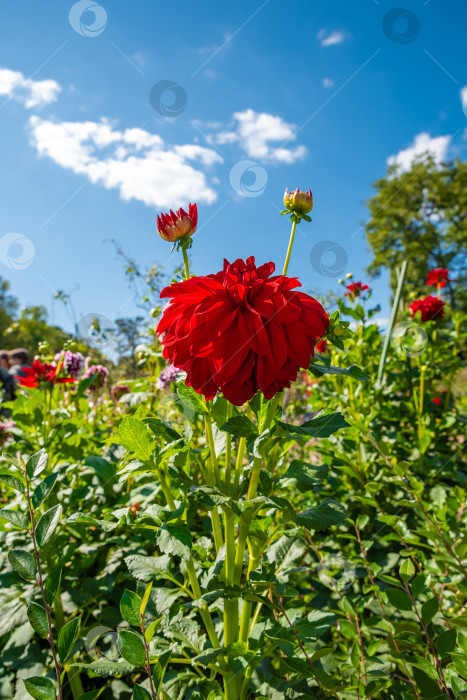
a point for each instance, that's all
(421, 216)
(31, 328)
(8, 306)
(128, 338)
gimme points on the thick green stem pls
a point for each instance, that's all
(239, 465)
(186, 263)
(230, 606)
(289, 249)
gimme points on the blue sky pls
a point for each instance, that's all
(269, 95)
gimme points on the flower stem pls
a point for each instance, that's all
(289, 249)
(238, 465)
(186, 263)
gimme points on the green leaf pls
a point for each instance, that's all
(132, 648)
(107, 668)
(140, 693)
(37, 463)
(321, 364)
(134, 437)
(67, 638)
(43, 489)
(320, 427)
(144, 602)
(446, 642)
(191, 400)
(407, 570)
(429, 609)
(47, 524)
(399, 599)
(151, 629)
(13, 481)
(16, 518)
(176, 539)
(40, 688)
(130, 605)
(92, 695)
(162, 429)
(240, 426)
(37, 616)
(159, 670)
(321, 517)
(52, 583)
(305, 476)
(24, 563)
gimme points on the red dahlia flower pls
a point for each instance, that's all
(240, 330)
(355, 289)
(171, 227)
(41, 373)
(438, 277)
(430, 308)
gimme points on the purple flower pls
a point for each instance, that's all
(73, 363)
(101, 373)
(169, 374)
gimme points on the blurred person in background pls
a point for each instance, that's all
(5, 359)
(19, 358)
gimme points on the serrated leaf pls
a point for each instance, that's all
(321, 517)
(240, 426)
(320, 427)
(24, 563)
(37, 463)
(132, 648)
(305, 476)
(162, 429)
(13, 482)
(191, 400)
(40, 688)
(16, 518)
(47, 524)
(130, 605)
(159, 669)
(134, 436)
(147, 568)
(66, 638)
(399, 599)
(175, 539)
(44, 489)
(37, 616)
(107, 668)
(52, 583)
(321, 364)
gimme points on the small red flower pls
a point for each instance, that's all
(355, 290)
(240, 330)
(436, 400)
(171, 227)
(429, 308)
(438, 277)
(41, 373)
(321, 346)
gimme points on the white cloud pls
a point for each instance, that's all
(135, 162)
(257, 133)
(331, 39)
(437, 146)
(327, 82)
(31, 93)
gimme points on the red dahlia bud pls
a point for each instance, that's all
(174, 226)
(298, 201)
